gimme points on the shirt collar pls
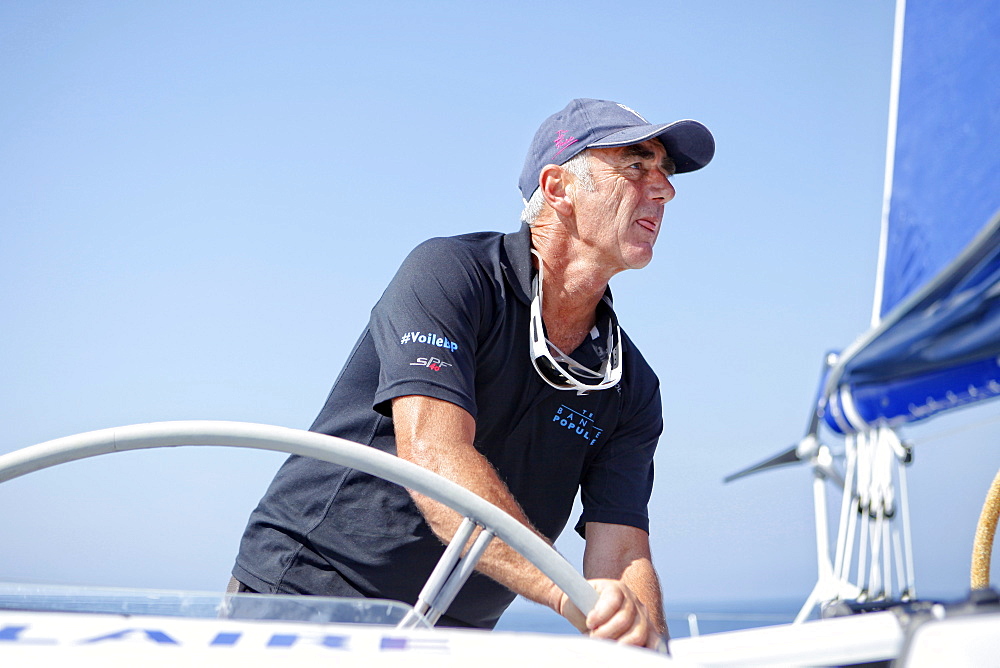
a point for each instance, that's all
(517, 265)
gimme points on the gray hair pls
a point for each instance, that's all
(579, 167)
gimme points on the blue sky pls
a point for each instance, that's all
(202, 201)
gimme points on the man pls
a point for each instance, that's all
(461, 370)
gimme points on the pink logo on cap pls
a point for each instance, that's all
(563, 142)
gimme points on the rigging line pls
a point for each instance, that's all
(887, 558)
(898, 553)
(847, 503)
(955, 430)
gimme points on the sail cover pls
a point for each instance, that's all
(936, 334)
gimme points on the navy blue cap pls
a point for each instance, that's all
(586, 123)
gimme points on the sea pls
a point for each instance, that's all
(684, 619)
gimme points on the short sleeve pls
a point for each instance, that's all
(424, 327)
(616, 483)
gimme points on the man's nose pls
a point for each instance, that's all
(660, 187)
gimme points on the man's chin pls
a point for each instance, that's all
(639, 257)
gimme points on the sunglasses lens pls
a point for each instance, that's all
(551, 371)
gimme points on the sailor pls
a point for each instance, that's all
(496, 360)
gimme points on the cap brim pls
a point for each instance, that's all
(689, 143)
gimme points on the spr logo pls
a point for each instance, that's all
(432, 363)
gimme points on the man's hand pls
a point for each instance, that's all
(618, 564)
(618, 615)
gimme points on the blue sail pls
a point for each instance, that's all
(936, 339)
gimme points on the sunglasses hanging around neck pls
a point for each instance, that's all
(558, 370)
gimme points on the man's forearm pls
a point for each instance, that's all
(640, 576)
(500, 561)
(438, 437)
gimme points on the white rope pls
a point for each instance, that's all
(874, 518)
(846, 516)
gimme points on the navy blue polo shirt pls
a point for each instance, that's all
(453, 324)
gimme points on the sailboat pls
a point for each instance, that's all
(934, 341)
(933, 347)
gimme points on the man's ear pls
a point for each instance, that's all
(553, 181)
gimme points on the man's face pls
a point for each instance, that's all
(620, 218)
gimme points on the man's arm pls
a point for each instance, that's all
(619, 552)
(439, 436)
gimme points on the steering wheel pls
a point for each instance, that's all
(451, 571)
